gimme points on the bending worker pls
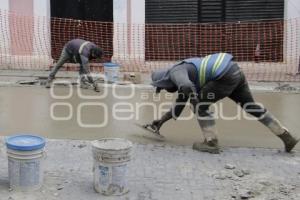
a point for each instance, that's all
(78, 51)
(205, 81)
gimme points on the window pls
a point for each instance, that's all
(178, 11)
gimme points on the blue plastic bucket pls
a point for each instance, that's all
(25, 162)
(111, 72)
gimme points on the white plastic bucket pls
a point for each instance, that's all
(111, 158)
(111, 72)
(25, 170)
(25, 163)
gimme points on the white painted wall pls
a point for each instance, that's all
(292, 9)
(129, 31)
(41, 55)
(120, 29)
(4, 4)
(138, 29)
(4, 28)
(292, 32)
(42, 37)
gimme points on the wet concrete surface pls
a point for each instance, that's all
(28, 110)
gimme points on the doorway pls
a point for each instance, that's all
(86, 19)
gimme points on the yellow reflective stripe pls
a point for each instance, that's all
(202, 70)
(218, 62)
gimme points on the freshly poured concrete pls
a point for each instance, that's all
(27, 110)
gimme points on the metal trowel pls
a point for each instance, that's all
(149, 128)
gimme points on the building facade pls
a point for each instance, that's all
(126, 42)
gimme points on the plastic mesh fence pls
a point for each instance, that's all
(266, 50)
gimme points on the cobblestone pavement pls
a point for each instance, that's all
(160, 171)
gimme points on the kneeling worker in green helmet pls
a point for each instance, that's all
(204, 81)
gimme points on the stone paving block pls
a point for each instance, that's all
(165, 172)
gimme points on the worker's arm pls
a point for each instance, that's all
(85, 67)
(174, 112)
(186, 90)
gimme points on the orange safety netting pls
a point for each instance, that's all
(267, 50)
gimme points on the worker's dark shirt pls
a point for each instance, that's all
(80, 50)
(184, 77)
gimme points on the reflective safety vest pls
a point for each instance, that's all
(210, 67)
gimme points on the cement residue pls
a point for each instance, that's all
(168, 172)
(112, 144)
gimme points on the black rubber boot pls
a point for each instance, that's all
(96, 87)
(208, 127)
(49, 83)
(84, 83)
(156, 124)
(207, 146)
(279, 130)
(288, 140)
